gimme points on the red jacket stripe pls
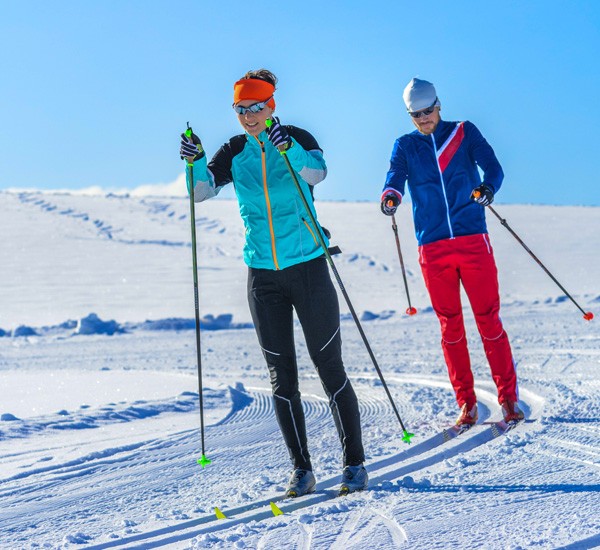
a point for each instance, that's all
(448, 150)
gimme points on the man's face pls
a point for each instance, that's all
(426, 124)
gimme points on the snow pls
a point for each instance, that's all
(99, 416)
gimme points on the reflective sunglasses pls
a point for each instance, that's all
(424, 112)
(254, 108)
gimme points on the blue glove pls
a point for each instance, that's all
(483, 195)
(191, 147)
(278, 135)
(390, 203)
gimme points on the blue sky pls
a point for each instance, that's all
(97, 93)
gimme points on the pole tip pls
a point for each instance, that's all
(407, 436)
(203, 461)
(588, 316)
(411, 311)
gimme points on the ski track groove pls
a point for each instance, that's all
(347, 530)
(258, 421)
(241, 427)
(157, 211)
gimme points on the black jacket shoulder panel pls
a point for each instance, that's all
(304, 138)
(220, 164)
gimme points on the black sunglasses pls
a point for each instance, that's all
(424, 112)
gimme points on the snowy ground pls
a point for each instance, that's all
(99, 423)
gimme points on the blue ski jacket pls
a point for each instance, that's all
(442, 171)
(279, 233)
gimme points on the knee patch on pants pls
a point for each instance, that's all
(448, 338)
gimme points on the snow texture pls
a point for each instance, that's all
(99, 396)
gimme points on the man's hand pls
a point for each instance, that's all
(390, 203)
(483, 195)
(278, 135)
(191, 147)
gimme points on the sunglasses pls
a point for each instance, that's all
(254, 108)
(424, 112)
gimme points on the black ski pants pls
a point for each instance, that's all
(307, 288)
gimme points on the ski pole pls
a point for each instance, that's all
(406, 435)
(203, 461)
(587, 315)
(410, 310)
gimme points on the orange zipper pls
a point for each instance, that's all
(268, 201)
(311, 231)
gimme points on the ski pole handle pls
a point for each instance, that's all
(281, 148)
(189, 133)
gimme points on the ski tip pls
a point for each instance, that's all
(411, 311)
(275, 509)
(203, 461)
(407, 436)
(588, 316)
(219, 514)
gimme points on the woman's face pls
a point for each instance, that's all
(253, 123)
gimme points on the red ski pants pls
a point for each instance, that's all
(468, 260)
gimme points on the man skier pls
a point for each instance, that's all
(440, 160)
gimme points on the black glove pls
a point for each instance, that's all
(390, 203)
(278, 135)
(483, 195)
(191, 147)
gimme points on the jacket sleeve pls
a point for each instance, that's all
(210, 178)
(483, 155)
(398, 172)
(306, 157)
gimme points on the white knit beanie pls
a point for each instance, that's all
(419, 94)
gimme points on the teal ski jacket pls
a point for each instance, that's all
(279, 232)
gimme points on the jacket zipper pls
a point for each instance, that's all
(311, 231)
(268, 201)
(437, 162)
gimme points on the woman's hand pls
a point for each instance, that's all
(278, 135)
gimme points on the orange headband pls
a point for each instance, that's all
(253, 88)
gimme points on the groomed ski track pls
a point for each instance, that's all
(258, 415)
